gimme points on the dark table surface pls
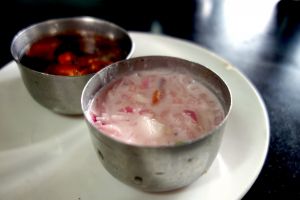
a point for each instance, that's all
(259, 37)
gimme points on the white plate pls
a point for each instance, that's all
(48, 156)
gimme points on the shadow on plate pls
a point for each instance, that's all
(25, 122)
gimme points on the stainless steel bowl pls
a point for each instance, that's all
(62, 93)
(162, 168)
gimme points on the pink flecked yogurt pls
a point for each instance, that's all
(155, 108)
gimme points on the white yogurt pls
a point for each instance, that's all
(155, 108)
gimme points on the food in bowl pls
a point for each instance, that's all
(72, 53)
(156, 108)
(57, 57)
(147, 159)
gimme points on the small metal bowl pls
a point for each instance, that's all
(58, 93)
(159, 168)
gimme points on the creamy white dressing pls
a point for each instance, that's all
(156, 107)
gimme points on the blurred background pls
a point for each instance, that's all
(176, 17)
(260, 37)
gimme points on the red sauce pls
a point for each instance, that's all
(72, 54)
